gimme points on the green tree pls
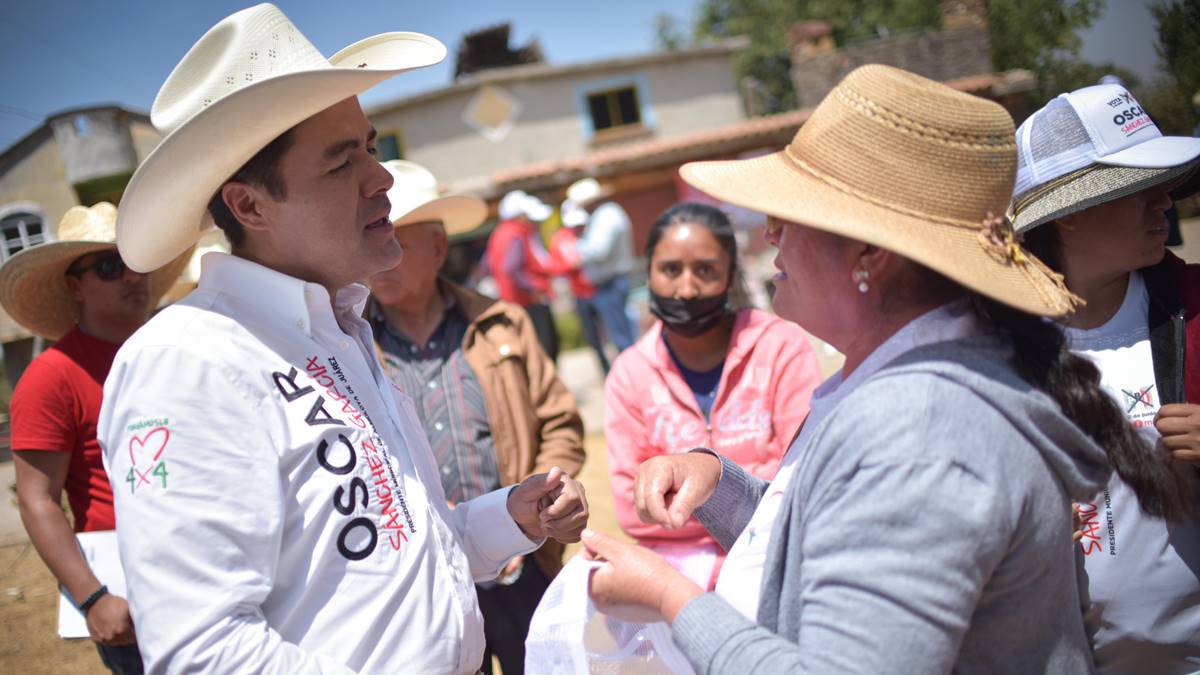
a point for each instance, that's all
(668, 34)
(1170, 98)
(1042, 36)
(1038, 35)
(766, 22)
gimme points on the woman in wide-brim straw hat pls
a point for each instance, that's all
(1094, 183)
(919, 521)
(35, 284)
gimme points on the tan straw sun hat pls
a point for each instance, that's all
(907, 164)
(415, 199)
(250, 78)
(33, 283)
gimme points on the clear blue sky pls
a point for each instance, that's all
(60, 54)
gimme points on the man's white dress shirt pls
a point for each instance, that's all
(279, 509)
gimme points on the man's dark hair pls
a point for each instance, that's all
(262, 169)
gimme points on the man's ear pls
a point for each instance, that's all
(250, 204)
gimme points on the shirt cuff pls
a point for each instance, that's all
(501, 537)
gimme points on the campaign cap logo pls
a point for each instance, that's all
(1113, 118)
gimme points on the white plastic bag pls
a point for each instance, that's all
(569, 636)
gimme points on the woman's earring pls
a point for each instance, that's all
(861, 276)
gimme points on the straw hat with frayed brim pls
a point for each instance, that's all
(1097, 184)
(250, 78)
(907, 164)
(415, 198)
(33, 283)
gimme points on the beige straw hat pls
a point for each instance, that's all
(250, 78)
(905, 163)
(33, 283)
(415, 199)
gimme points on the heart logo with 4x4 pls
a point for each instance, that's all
(149, 447)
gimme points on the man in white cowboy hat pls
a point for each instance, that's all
(299, 523)
(77, 292)
(606, 251)
(488, 397)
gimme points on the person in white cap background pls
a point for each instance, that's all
(564, 261)
(301, 525)
(1096, 178)
(488, 397)
(77, 292)
(606, 252)
(517, 261)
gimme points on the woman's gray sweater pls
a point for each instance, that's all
(927, 529)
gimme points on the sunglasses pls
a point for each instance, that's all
(109, 267)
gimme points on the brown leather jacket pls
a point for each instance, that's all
(534, 420)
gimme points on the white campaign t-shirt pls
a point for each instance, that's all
(1142, 574)
(740, 580)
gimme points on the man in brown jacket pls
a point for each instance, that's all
(489, 398)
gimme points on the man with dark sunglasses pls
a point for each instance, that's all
(78, 292)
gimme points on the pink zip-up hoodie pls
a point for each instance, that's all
(763, 396)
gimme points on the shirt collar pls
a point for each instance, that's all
(275, 297)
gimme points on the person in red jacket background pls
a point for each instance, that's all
(518, 263)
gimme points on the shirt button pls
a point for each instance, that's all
(344, 345)
(445, 471)
(433, 384)
(433, 344)
(412, 349)
(439, 426)
(299, 323)
(505, 350)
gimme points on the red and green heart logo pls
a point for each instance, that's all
(152, 443)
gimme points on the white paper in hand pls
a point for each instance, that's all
(569, 636)
(100, 552)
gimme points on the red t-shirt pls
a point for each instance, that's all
(55, 407)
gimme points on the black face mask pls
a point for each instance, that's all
(691, 317)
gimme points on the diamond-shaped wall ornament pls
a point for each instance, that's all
(492, 112)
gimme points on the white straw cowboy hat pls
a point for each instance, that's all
(250, 78)
(1091, 146)
(586, 191)
(33, 283)
(415, 199)
(907, 164)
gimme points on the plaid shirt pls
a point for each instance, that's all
(448, 398)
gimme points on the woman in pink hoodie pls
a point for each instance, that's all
(736, 381)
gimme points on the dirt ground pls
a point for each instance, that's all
(29, 643)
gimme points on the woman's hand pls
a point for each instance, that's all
(1179, 425)
(670, 487)
(635, 578)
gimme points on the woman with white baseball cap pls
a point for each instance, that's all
(1095, 178)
